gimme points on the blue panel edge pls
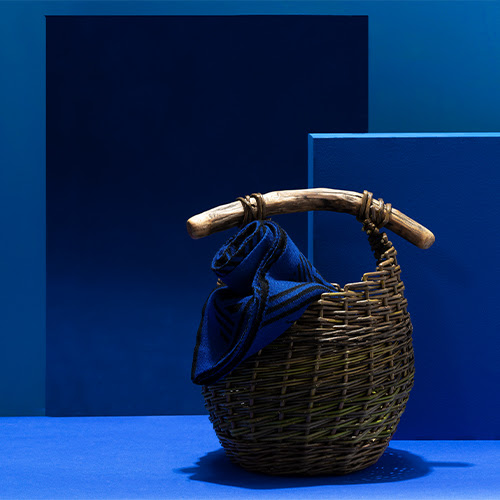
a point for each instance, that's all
(310, 184)
(387, 135)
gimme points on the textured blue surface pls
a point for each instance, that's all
(449, 183)
(179, 457)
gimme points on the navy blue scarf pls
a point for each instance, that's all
(268, 284)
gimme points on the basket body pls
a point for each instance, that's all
(327, 395)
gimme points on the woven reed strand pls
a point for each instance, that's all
(327, 395)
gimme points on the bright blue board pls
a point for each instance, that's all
(180, 457)
(450, 184)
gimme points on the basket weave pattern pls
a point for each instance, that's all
(327, 395)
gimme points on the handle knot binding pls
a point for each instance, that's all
(380, 215)
(253, 209)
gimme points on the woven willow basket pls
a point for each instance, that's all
(327, 395)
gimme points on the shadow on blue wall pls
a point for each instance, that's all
(394, 465)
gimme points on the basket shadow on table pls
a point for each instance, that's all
(394, 465)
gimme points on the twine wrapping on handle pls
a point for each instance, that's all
(252, 211)
(380, 215)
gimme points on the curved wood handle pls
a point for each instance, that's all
(304, 200)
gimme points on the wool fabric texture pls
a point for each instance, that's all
(267, 285)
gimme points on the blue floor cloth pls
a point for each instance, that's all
(268, 284)
(179, 457)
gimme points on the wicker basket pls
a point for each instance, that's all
(327, 395)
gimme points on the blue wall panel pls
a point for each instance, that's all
(22, 215)
(434, 66)
(450, 184)
(149, 121)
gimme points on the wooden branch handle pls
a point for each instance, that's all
(303, 200)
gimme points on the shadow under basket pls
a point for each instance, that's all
(324, 398)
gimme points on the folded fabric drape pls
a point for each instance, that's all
(267, 285)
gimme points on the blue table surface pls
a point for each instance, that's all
(180, 457)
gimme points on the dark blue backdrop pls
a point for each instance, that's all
(149, 121)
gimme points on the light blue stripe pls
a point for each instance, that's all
(313, 137)
(310, 184)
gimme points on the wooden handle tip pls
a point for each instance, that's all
(194, 229)
(428, 240)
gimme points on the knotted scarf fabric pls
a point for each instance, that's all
(267, 285)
